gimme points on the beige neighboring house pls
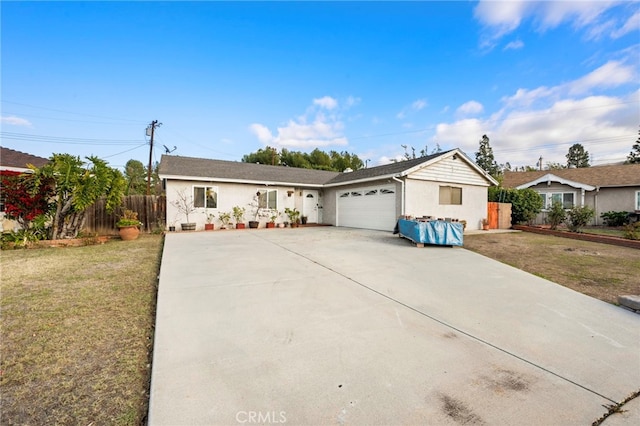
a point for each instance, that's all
(603, 188)
(15, 161)
(446, 185)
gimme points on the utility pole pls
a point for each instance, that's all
(150, 131)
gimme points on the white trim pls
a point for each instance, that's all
(637, 206)
(16, 169)
(550, 177)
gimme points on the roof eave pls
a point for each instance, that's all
(550, 177)
(242, 181)
(363, 180)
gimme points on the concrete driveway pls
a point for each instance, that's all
(341, 326)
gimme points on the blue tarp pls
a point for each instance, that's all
(433, 232)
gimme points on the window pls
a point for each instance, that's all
(544, 200)
(387, 191)
(564, 198)
(268, 199)
(450, 195)
(205, 196)
(344, 194)
(371, 192)
(356, 194)
(637, 200)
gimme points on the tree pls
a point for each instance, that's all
(577, 157)
(136, 176)
(555, 166)
(316, 159)
(267, 155)
(525, 203)
(634, 155)
(78, 185)
(485, 159)
(24, 198)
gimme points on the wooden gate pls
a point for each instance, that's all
(493, 213)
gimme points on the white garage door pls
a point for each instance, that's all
(368, 208)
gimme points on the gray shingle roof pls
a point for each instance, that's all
(384, 170)
(602, 176)
(13, 158)
(232, 170)
(171, 165)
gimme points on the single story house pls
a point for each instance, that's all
(603, 188)
(442, 185)
(15, 161)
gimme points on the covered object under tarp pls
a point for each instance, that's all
(432, 232)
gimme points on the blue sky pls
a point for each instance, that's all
(226, 79)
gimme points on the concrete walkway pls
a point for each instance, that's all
(340, 326)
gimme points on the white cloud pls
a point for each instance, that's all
(470, 108)
(546, 121)
(632, 24)
(611, 74)
(419, 104)
(12, 120)
(352, 100)
(514, 45)
(416, 105)
(311, 130)
(326, 102)
(503, 17)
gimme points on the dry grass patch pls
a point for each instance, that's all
(77, 328)
(599, 270)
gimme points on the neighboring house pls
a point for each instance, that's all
(15, 161)
(603, 188)
(443, 185)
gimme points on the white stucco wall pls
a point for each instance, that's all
(229, 195)
(423, 199)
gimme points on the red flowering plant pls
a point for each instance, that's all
(25, 198)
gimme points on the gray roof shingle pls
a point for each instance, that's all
(13, 158)
(602, 176)
(173, 165)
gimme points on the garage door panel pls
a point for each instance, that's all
(374, 211)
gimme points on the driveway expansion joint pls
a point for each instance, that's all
(472, 336)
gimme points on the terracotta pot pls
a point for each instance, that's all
(128, 233)
(271, 225)
(208, 226)
(240, 226)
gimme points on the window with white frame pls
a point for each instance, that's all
(268, 199)
(637, 200)
(545, 201)
(450, 195)
(567, 199)
(205, 197)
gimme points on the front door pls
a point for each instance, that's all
(310, 205)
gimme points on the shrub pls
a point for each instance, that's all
(612, 218)
(557, 215)
(525, 203)
(578, 217)
(632, 231)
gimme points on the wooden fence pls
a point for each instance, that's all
(151, 211)
(499, 215)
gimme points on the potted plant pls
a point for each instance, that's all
(273, 215)
(294, 216)
(304, 220)
(225, 218)
(209, 225)
(238, 215)
(485, 224)
(129, 225)
(184, 204)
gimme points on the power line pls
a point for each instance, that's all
(75, 113)
(68, 119)
(66, 140)
(113, 155)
